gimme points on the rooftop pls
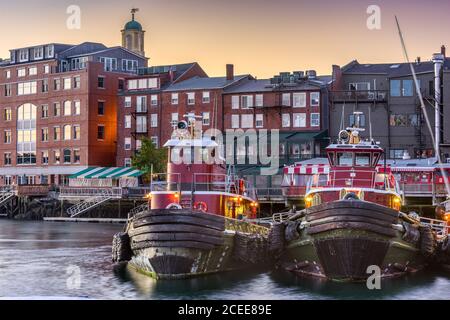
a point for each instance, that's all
(198, 83)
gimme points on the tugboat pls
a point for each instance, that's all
(196, 220)
(353, 220)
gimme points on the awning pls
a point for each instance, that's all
(302, 136)
(307, 169)
(107, 173)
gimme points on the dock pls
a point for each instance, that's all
(86, 220)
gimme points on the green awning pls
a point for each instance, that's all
(302, 136)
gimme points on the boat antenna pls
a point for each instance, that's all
(424, 111)
(342, 118)
(370, 124)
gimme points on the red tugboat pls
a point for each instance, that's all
(196, 221)
(352, 221)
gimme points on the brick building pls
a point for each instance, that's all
(59, 109)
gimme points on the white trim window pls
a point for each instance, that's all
(8, 74)
(286, 100)
(141, 124)
(154, 100)
(315, 99)
(32, 71)
(22, 72)
(67, 110)
(67, 83)
(127, 143)
(286, 120)
(206, 121)
(246, 102)
(127, 162)
(154, 120)
(206, 97)
(132, 84)
(247, 121)
(38, 53)
(174, 99)
(299, 120)
(77, 107)
(141, 105)
(128, 121)
(174, 117)
(23, 55)
(235, 121)
(138, 144)
(127, 102)
(155, 141)
(46, 69)
(315, 119)
(259, 100)
(259, 121)
(235, 102)
(25, 88)
(299, 100)
(191, 98)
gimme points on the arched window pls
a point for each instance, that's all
(67, 108)
(67, 132)
(26, 134)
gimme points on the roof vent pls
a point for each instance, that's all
(394, 66)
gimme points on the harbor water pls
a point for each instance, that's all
(44, 260)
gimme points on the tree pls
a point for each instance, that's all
(149, 156)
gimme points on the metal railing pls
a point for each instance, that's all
(439, 226)
(359, 95)
(166, 182)
(69, 192)
(270, 194)
(137, 192)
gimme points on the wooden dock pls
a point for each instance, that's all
(86, 220)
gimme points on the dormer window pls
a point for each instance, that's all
(23, 55)
(38, 53)
(49, 51)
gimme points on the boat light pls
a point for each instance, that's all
(254, 204)
(397, 200)
(176, 195)
(308, 199)
(148, 196)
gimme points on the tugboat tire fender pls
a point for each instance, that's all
(174, 206)
(351, 196)
(427, 241)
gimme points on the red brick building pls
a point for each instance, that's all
(59, 110)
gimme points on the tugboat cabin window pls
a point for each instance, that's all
(345, 159)
(362, 159)
(331, 158)
(376, 158)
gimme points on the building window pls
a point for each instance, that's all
(154, 120)
(259, 100)
(128, 122)
(127, 102)
(100, 132)
(67, 83)
(234, 121)
(67, 108)
(127, 144)
(56, 109)
(154, 100)
(8, 74)
(26, 134)
(286, 120)
(8, 90)
(155, 141)
(44, 155)
(67, 156)
(76, 156)
(299, 100)
(56, 84)
(76, 132)
(235, 102)
(259, 121)
(121, 85)
(56, 133)
(26, 88)
(191, 98)
(174, 98)
(403, 88)
(315, 99)
(206, 119)
(299, 120)
(408, 86)
(32, 71)
(101, 82)
(359, 86)
(127, 162)
(206, 97)
(38, 53)
(7, 115)
(7, 159)
(315, 119)
(247, 102)
(23, 55)
(247, 121)
(77, 82)
(67, 129)
(132, 84)
(44, 85)
(397, 153)
(22, 72)
(44, 134)
(7, 136)
(46, 69)
(77, 105)
(56, 156)
(141, 104)
(138, 144)
(141, 124)
(174, 118)
(404, 120)
(286, 99)
(101, 108)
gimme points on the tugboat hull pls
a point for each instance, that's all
(341, 240)
(178, 244)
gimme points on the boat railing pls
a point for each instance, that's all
(245, 227)
(165, 182)
(281, 217)
(439, 226)
(222, 183)
(446, 205)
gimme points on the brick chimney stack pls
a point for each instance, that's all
(230, 72)
(443, 51)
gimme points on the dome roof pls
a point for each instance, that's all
(133, 25)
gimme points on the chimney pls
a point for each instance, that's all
(443, 50)
(418, 60)
(230, 72)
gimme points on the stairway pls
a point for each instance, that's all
(6, 194)
(89, 204)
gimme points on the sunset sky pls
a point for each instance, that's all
(260, 37)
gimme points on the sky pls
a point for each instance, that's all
(259, 37)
